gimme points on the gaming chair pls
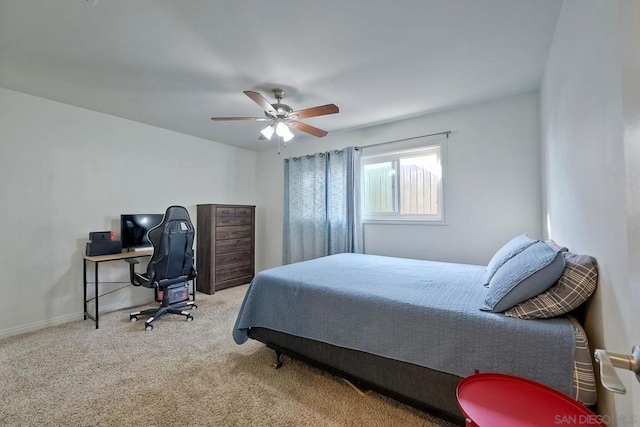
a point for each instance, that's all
(170, 268)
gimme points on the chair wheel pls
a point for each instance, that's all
(149, 327)
(194, 306)
(133, 318)
(189, 318)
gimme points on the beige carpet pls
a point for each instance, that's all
(179, 374)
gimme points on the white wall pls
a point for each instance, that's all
(492, 188)
(66, 171)
(630, 48)
(590, 182)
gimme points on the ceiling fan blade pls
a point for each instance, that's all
(309, 129)
(261, 101)
(257, 119)
(322, 110)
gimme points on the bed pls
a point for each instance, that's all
(410, 329)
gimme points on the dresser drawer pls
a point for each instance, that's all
(233, 232)
(234, 258)
(228, 273)
(233, 245)
(243, 212)
(225, 220)
(222, 211)
(242, 220)
(233, 220)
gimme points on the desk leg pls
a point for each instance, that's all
(96, 294)
(84, 286)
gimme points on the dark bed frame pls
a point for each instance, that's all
(423, 388)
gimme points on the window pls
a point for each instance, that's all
(403, 184)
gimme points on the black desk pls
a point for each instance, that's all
(97, 260)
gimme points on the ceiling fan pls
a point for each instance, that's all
(283, 117)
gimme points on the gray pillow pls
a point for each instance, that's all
(577, 284)
(512, 248)
(524, 276)
(556, 247)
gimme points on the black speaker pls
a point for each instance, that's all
(104, 247)
(99, 236)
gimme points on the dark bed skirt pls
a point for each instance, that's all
(420, 387)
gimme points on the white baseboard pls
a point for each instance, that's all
(32, 327)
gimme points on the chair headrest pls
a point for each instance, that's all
(176, 213)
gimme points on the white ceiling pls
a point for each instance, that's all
(176, 63)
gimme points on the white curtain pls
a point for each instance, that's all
(322, 205)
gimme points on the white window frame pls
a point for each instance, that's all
(393, 151)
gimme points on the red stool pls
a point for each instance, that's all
(498, 400)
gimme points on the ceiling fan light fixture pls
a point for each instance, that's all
(283, 131)
(281, 128)
(288, 136)
(268, 132)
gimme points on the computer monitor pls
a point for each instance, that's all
(134, 229)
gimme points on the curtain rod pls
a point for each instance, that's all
(447, 133)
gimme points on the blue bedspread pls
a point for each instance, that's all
(421, 312)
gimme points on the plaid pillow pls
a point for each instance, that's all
(574, 287)
(584, 380)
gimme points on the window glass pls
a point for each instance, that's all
(403, 184)
(380, 187)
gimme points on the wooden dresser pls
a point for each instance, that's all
(225, 247)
